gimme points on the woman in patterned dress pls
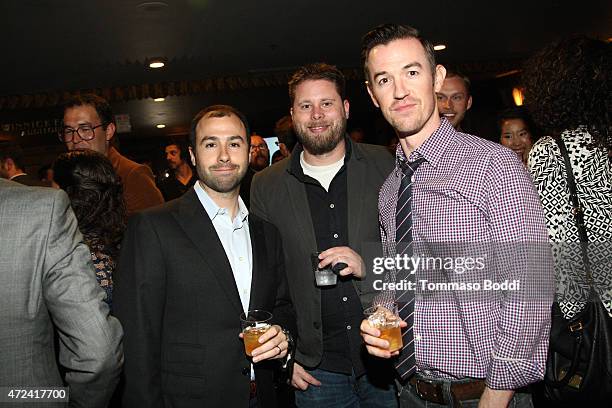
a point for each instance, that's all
(569, 94)
(96, 196)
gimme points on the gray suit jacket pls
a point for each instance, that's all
(46, 281)
(280, 198)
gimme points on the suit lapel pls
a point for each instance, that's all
(194, 220)
(303, 221)
(258, 254)
(356, 174)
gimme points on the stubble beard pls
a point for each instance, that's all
(221, 184)
(411, 126)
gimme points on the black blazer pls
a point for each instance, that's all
(280, 198)
(177, 299)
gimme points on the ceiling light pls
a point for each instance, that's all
(160, 126)
(439, 47)
(159, 99)
(156, 63)
(518, 96)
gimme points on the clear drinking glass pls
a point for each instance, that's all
(254, 323)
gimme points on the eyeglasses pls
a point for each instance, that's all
(259, 147)
(85, 132)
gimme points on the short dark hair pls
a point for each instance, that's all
(217, 111)
(96, 196)
(101, 106)
(386, 33)
(451, 73)
(568, 84)
(14, 152)
(283, 130)
(319, 70)
(181, 145)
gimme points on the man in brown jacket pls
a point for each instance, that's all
(90, 124)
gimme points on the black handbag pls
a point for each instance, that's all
(579, 364)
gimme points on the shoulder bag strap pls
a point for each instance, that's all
(577, 210)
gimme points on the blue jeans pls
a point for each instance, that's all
(345, 391)
(410, 399)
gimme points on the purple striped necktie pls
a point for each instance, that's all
(406, 363)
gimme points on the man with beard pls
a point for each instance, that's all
(181, 176)
(323, 200)
(187, 271)
(449, 189)
(259, 159)
(454, 98)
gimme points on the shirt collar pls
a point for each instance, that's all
(17, 175)
(295, 167)
(433, 148)
(213, 210)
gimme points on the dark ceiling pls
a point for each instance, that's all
(69, 45)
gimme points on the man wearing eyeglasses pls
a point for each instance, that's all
(259, 155)
(89, 123)
(259, 159)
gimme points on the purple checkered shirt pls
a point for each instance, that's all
(471, 190)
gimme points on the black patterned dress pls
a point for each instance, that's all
(104, 265)
(593, 173)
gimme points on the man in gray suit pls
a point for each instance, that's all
(47, 281)
(324, 198)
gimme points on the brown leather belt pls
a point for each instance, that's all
(434, 391)
(252, 390)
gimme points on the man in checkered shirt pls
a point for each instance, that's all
(470, 197)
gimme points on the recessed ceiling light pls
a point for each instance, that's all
(160, 126)
(156, 64)
(439, 47)
(159, 99)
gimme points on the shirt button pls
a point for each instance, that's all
(335, 235)
(412, 179)
(241, 258)
(331, 205)
(348, 327)
(417, 337)
(344, 299)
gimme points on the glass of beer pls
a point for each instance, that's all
(385, 318)
(254, 323)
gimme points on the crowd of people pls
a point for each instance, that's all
(129, 289)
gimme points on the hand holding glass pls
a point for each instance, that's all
(386, 319)
(254, 324)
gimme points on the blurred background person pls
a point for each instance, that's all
(283, 130)
(515, 131)
(179, 177)
(89, 123)
(357, 135)
(569, 94)
(277, 156)
(96, 196)
(454, 98)
(12, 167)
(259, 159)
(259, 154)
(45, 174)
